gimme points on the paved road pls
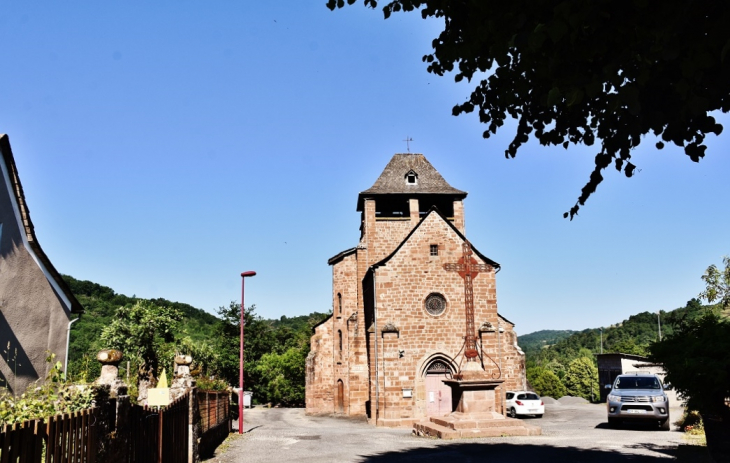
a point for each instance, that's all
(575, 432)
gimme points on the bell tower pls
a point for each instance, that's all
(406, 190)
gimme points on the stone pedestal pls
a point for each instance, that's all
(477, 410)
(182, 381)
(109, 359)
(475, 396)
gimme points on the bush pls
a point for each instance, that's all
(209, 383)
(581, 380)
(548, 384)
(691, 423)
(52, 397)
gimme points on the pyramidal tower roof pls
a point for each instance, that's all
(395, 178)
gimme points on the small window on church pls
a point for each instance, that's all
(339, 302)
(411, 178)
(434, 249)
(339, 333)
(435, 304)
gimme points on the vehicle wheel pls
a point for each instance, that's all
(538, 416)
(613, 422)
(664, 425)
(512, 412)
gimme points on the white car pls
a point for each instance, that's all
(524, 403)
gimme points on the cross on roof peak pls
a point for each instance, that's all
(408, 141)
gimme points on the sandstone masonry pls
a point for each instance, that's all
(398, 322)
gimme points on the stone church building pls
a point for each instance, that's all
(398, 324)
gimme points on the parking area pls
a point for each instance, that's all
(571, 432)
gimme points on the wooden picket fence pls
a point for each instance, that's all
(68, 438)
(130, 434)
(214, 409)
(160, 435)
(215, 420)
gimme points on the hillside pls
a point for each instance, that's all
(631, 336)
(542, 339)
(564, 362)
(100, 304)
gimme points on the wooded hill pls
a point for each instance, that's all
(542, 339)
(632, 336)
(564, 363)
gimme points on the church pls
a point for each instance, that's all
(404, 318)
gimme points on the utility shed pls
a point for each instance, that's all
(36, 305)
(613, 364)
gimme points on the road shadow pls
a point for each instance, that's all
(635, 426)
(507, 452)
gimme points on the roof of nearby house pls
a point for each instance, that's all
(17, 189)
(393, 179)
(503, 318)
(623, 356)
(435, 210)
(338, 257)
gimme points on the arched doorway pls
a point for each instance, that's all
(340, 406)
(438, 394)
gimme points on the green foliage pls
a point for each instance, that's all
(629, 346)
(583, 72)
(697, 362)
(284, 375)
(143, 332)
(542, 339)
(151, 332)
(695, 357)
(206, 383)
(581, 379)
(270, 350)
(717, 284)
(548, 384)
(632, 336)
(100, 304)
(203, 354)
(691, 423)
(47, 398)
(557, 368)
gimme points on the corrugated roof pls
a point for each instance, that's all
(17, 188)
(393, 179)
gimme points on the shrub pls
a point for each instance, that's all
(40, 400)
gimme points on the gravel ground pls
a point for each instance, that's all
(571, 432)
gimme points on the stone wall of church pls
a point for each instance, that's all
(337, 374)
(402, 286)
(320, 376)
(511, 362)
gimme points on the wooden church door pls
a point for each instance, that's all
(340, 396)
(438, 394)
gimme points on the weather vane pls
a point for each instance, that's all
(408, 141)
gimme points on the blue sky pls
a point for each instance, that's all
(165, 147)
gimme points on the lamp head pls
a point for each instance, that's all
(248, 274)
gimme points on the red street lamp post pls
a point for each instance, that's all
(241, 394)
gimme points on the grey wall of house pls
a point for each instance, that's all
(33, 319)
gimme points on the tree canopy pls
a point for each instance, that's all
(574, 72)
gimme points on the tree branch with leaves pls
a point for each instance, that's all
(576, 72)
